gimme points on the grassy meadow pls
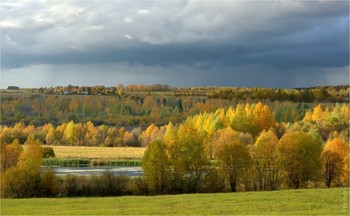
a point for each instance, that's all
(103, 153)
(333, 201)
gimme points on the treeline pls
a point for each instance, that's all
(128, 110)
(81, 134)
(181, 162)
(323, 93)
(248, 119)
(101, 90)
(244, 149)
(319, 94)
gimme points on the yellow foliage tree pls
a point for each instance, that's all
(263, 117)
(234, 159)
(335, 162)
(10, 155)
(268, 173)
(23, 180)
(318, 114)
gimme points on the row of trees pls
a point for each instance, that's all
(187, 159)
(101, 90)
(137, 109)
(241, 148)
(321, 93)
(74, 134)
(248, 119)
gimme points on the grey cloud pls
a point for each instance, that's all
(177, 75)
(280, 36)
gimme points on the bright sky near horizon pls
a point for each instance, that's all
(180, 43)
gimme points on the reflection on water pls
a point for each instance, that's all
(84, 171)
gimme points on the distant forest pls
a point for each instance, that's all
(142, 105)
(321, 93)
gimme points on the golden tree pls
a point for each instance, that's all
(267, 160)
(335, 162)
(233, 157)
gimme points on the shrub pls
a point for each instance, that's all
(48, 184)
(111, 185)
(72, 185)
(48, 152)
(138, 186)
(20, 182)
(213, 182)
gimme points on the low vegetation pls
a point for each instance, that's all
(101, 153)
(74, 162)
(287, 202)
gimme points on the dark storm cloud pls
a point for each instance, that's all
(269, 43)
(180, 75)
(226, 55)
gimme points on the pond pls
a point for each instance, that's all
(85, 171)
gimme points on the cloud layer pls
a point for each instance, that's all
(187, 42)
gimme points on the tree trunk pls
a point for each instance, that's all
(233, 186)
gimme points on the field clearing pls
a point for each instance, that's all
(107, 153)
(289, 202)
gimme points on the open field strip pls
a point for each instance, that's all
(333, 201)
(107, 153)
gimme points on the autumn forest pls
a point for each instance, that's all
(197, 140)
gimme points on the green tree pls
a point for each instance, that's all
(188, 158)
(242, 120)
(155, 165)
(299, 155)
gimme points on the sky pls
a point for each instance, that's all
(278, 44)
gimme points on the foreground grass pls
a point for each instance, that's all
(106, 153)
(289, 202)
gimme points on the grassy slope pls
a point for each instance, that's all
(289, 202)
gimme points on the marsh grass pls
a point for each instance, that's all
(105, 153)
(76, 162)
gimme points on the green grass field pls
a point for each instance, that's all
(289, 202)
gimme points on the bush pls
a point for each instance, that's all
(138, 186)
(20, 182)
(213, 182)
(111, 185)
(48, 152)
(73, 185)
(48, 184)
(105, 185)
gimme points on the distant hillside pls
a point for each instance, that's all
(310, 94)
